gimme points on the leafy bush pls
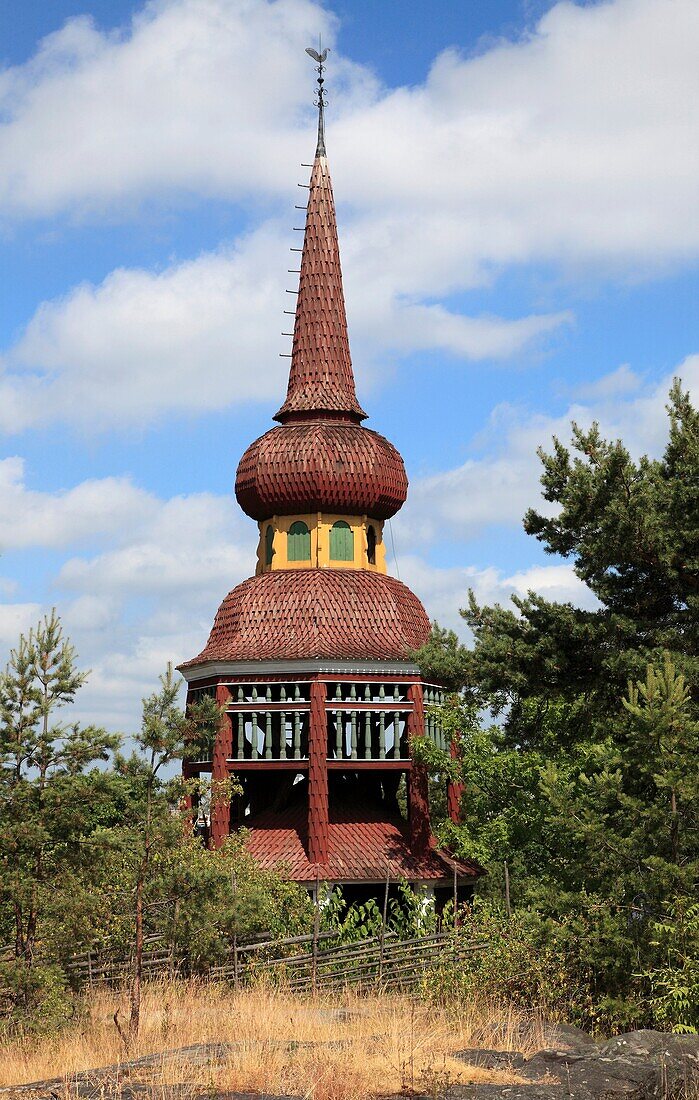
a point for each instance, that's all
(34, 999)
(674, 980)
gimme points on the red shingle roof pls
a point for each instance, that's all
(363, 845)
(289, 614)
(321, 378)
(321, 466)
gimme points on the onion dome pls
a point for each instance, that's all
(321, 466)
(312, 614)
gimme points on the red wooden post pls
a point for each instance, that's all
(455, 791)
(418, 791)
(223, 748)
(317, 776)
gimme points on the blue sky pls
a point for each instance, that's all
(516, 184)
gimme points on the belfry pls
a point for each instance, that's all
(311, 658)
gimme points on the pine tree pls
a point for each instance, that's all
(587, 785)
(47, 801)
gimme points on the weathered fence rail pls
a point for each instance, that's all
(382, 959)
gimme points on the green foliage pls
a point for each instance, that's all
(34, 1001)
(409, 913)
(518, 962)
(48, 802)
(355, 922)
(102, 857)
(443, 659)
(674, 979)
(587, 785)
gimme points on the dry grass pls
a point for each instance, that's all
(342, 1048)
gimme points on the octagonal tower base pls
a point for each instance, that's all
(321, 750)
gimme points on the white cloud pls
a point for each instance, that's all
(575, 142)
(152, 599)
(189, 548)
(148, 597)
(202, 334)
(444, 591)
(92, 510)
(574, 145)
(15, 619)
(619, 383)
(198, 335)
(497, 488)
(180, 99)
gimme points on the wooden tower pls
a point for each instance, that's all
(311, 656)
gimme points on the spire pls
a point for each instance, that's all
(321, 382)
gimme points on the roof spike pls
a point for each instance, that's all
(321, 381)
(320, 56)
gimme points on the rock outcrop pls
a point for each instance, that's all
(643, 1065)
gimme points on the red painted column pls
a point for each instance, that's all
(318, 776)
(418, 791)
(455, 791)
(223, 748)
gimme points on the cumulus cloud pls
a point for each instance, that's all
(145, 596)
(175, 100)
(95, 509)
(496, 488)
(574, 142)
(191, 546)
(15, 619)
(199, 334)
(205, 333)
(444, 591)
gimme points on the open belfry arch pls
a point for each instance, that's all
(311, 657)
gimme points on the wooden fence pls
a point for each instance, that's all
(381, 960)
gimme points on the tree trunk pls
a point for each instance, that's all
(137, 977)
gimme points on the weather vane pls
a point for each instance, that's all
(319, 57)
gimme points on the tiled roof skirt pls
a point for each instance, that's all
(321, 378)
(287, 614)
(363, 846)
(321, 466)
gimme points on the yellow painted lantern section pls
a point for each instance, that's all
(321, 541)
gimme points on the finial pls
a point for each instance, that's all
(319, 56)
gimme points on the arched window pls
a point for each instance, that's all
(341, 542)
(371, 544)
(269, 545)
(298, 542)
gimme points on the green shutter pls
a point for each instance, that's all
(269, 545)
(341, 542)
(299, 542)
